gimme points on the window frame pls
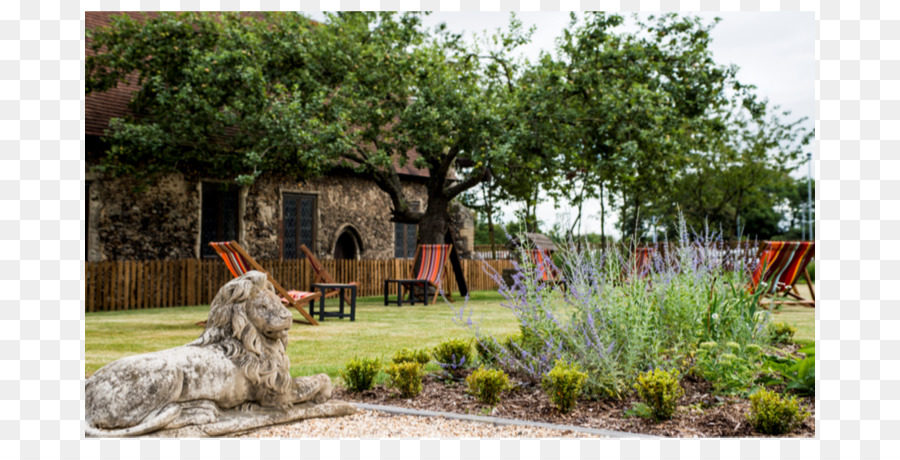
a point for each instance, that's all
(298, 197)
(414, 205)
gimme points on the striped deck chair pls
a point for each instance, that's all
(780, 264)
(239, 262)
(643, 260)
(543, 265)
(432, 258)
(322, 275)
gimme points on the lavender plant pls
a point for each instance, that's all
(617, 319)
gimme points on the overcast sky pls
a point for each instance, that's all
(774, 51)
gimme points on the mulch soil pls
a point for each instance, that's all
(700, 413)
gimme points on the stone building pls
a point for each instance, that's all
(340, 215)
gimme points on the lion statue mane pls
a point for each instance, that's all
(237, 364)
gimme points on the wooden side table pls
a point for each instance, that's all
(324, 287)
(410, 285)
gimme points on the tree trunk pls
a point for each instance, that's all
(637, 214)
(489, 207)
(434, 222)
(602, 218)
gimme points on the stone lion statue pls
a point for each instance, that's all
(234, 377)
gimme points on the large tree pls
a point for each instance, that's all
(237, 96)
(645, 100)
(412, 96)
(218, 94)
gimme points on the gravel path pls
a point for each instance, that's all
(370, 424)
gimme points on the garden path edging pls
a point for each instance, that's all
(502, 421)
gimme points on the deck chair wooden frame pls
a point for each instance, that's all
(322, 275)
(780, 265)
(438, 279)
(251, 263)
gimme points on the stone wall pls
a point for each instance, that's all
(157, 222)
(343, 203)
(163, 220)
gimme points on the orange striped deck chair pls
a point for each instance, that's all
(643, 260)
(432, 258)
(239, 262)
(322, 275)
(543, 265)
(780, 264)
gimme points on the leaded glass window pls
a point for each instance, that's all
(299, 223)
(405, 237)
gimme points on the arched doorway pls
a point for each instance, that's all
(347, 245)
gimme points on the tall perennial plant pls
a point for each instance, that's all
(616, 319)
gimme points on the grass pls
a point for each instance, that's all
(811, 267)
(803, 318)
(378, 332)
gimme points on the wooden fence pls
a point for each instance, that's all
(501, 251)
(130, 285)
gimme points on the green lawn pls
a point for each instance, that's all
(803, 318)
(378, 331)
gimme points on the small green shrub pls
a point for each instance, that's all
(660, 390)
(772, 414)
(407, 355)
(639, 410)
(783, 333)
(563, 384)
(453, 354)
(487, 384)
(406, 378)
(359, 373)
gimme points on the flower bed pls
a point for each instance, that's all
(681, 329)
(699, 414)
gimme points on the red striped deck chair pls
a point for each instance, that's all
(322, 275)
(643, 260)
(432, 258)
(780, 264)
(239, 262)
(543, 265)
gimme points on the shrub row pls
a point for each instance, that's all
(659, 390)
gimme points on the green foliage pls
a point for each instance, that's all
(783, 333)
(563, 384)
(798, 375)
(359, 373)
(488, 349)
(639, 409)
(660, 390)
(487, 384)
(772, 414)
(796, 220)
(729, 367)
(221, 95)
(453, 354)
(406, 378)
(692, 309)
(408, 355)
(643, 115)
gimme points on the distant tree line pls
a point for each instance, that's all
(643, 120)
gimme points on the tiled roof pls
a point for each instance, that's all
(100, 107)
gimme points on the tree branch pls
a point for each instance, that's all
(474, 179)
